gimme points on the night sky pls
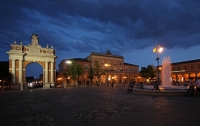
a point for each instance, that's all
(130, 28)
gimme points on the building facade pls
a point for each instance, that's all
(183, 71)
(116, 70)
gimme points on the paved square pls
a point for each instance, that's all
(99, 106)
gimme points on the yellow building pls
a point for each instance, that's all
(183, 71)
(116, 70)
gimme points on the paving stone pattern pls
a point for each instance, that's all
(99, 106)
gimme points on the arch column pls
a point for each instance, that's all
(46, 72)
(20, 75)
(46, 84)
(52, 73)
(13, 70)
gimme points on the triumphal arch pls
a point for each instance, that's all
(21, 55)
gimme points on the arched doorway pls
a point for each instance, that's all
(34, 75)
(198, 75)
(186, 77)
(180, 78)
(174, 78)
(21, 55)
(192, 77)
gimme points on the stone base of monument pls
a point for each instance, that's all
(49, 86)
(15, 86)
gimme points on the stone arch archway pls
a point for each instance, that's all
(21, 55)
(41, 64)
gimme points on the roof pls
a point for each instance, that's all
(79, 59)
(189, 61)
(106, 55)
(130, 64)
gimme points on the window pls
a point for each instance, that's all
(120, 68)
(126, 68)
(86, 67)
(114, 62)
(179, 68)
(185, 67)
(192, 67)
(102, 61)
(131, 69)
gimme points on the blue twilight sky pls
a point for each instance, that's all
(130, 28)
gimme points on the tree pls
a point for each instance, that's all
(148, 72)
(91, 74)
(73, 70)
(79, 71)
(5, 76)
(151, 71)
(143, 72)
(97, 70)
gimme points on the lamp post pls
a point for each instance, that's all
(158, 49)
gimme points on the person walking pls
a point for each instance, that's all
(190, 91)
(197, 86)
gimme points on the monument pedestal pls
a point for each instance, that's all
(47, 86)
(15, 87)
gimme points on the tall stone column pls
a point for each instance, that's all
(13, 71)
(52, 73)
(43, 78)
(46, 72)
(20, 74)
(47, 84)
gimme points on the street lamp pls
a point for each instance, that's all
(107, 65)
(158, 49)
(69, 62)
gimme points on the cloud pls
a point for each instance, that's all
(87, 26)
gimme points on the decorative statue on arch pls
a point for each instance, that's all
(34, 39)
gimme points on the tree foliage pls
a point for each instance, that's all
(148, 72)
(7, 77)
(73, 70)
(91, 73)
(98, 71)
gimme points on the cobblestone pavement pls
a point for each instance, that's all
(99, 106)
